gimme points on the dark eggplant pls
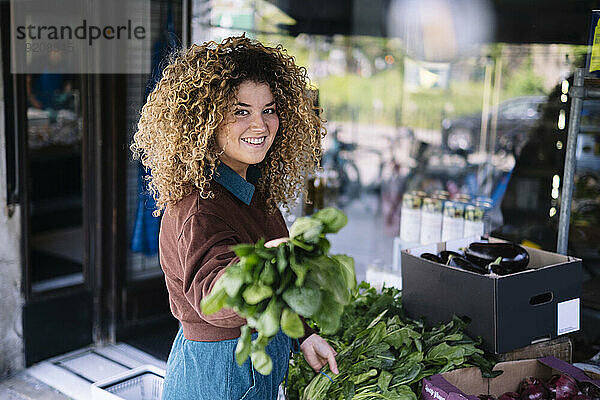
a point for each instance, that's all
(445, 254)
(432, 257)
(514, 257)
(463, 263)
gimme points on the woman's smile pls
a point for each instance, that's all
(255, 141)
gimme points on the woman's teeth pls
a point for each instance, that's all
(254, 140)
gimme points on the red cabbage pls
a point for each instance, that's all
(509, 396)
(527, 382)
(534, 392)
(581, 397)
(590, 390)
(566, 388)
(551, 386)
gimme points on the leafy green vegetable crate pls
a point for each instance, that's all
(508, 312)
(467, 383)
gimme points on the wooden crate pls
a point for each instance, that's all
(560, 348)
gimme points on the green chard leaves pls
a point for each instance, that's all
(382, 354)
(273, 287)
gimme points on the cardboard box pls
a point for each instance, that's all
(508, 312)
(467, 383)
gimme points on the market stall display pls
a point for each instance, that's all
(383, 354)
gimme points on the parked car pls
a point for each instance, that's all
(516, 116)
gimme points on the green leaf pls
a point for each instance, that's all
(250, 261)
(376, 319)
(214, 301)
(360, 378)
(327, 272)
(267, 276)
(291, 324)
(233, 280)
(256, 293)
(306, 226)
(444, 353)
(377, 333)
(328, 316)
(305, 300)
(242, 349)
(282, 262)
(268, 322)
(347, 268)
(405, 393)
(261, 362)
(333, 219)
(317, 388)
(243, 250)
(384, 380)
(406, 373)
(324, 245)
(300, 270)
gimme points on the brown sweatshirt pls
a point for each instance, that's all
(195, 242)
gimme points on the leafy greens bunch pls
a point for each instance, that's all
(382, 354)
(273, 287)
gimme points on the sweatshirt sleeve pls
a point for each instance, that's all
(204, 249)
(307, 331)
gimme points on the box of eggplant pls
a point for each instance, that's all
(514, 295)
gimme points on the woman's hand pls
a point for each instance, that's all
(276, 242)
(318, 352)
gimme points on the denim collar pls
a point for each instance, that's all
(241, 188)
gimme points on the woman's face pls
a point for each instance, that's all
(248, 132)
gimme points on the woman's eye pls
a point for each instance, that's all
(240, 112)
(269, 111)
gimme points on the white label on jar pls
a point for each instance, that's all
(452, 228)
(431, 227)
(473, 228)
(410, 225)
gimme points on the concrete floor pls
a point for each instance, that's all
(70, 376)
(23, 386)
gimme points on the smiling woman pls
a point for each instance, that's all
(199, 97)
(229, 133)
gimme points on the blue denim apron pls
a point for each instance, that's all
(208, 371)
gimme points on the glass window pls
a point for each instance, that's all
(405, 116)
(54, 133)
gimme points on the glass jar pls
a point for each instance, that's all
(431, 220)
(410, 218)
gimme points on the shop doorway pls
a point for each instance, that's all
(55, 186)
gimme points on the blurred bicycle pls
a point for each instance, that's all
(338, 164)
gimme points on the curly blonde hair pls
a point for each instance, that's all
(177, 129)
